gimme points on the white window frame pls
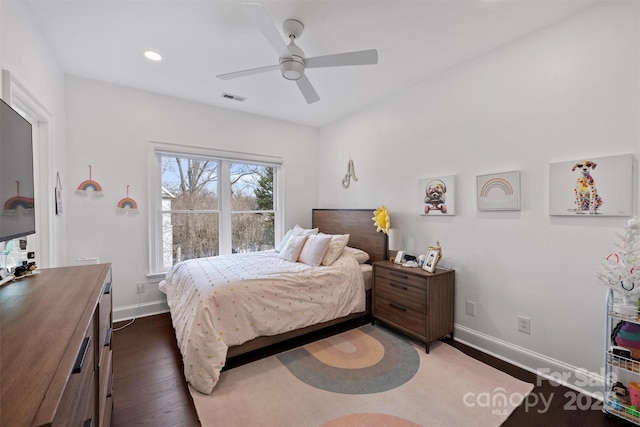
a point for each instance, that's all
(156, 269)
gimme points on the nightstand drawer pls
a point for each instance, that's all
(401, 277)
(400, 315)
(406, 295)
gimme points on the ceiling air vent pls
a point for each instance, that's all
(234, 97)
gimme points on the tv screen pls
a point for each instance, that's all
(16, 175)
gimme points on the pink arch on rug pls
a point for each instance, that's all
(370, 420)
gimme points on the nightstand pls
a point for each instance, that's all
(417, 303)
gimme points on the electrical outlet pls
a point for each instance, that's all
(471, 308)
(524, 324)
(139, 287)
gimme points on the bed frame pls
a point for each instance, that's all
(362, 235)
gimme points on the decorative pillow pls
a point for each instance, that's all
(338, 242)
(299, 231)
(295, 231)
(284, 241)
(291, 250)
(360, 255)
(314, 249)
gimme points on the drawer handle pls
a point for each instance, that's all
(88, 423)
(82, 355)
(397, 307)
(397, 286)
(396, 274)
(107, 338)
(107, 288)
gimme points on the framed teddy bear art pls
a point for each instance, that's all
(437, 196)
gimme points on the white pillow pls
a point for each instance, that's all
(360, 255)
(284, 240)
(299, 231)
(314, 250)
(291, 250)
(295, 231)
(338, 242)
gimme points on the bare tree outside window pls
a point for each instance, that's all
(191, 208)
(252, 207)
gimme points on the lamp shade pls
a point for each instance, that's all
(395, 239)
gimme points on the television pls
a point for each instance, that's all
(17, 216)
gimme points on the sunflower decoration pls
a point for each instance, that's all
(381, 219)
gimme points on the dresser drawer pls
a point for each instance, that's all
(77, 403)
(405, 295)
(105, 373)
(104, 321)
(401, 277)
(400, 315)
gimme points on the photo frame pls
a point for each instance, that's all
(431, 259)
(498, 191)
(592, 186)
(436, 196)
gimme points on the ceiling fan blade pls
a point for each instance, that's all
(260, 18)
(361, 57)
(307, 90)
(249, 72)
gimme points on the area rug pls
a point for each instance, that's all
(367, 376)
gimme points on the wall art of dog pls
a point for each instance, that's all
(587, 199)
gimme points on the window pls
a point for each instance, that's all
(207, 204)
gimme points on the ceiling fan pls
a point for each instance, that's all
(292, 61)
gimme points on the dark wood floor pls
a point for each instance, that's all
(150, 390)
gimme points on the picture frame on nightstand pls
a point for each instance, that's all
(431, 260)
(399, 257)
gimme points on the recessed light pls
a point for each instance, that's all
(154, 56)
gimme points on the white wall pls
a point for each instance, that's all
(25, 53)
(570, 91)
(110, 128)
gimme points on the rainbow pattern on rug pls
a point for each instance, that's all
(359, 361)
(367, 376)
(496, 183)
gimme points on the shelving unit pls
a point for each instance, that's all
(619, 367)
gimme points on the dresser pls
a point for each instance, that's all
(55, 348)
(417, 303)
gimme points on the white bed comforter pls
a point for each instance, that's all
(226, 300)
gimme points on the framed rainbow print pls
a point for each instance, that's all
(499, 191)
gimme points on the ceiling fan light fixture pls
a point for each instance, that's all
(291, 69)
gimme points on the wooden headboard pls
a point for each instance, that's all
(358, 224)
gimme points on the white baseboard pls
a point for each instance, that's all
(579, 379)
(145, 309)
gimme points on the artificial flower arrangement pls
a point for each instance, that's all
(621, 269)
(381, 220)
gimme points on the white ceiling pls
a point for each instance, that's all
(105, 40)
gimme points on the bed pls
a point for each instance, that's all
(226, 306)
